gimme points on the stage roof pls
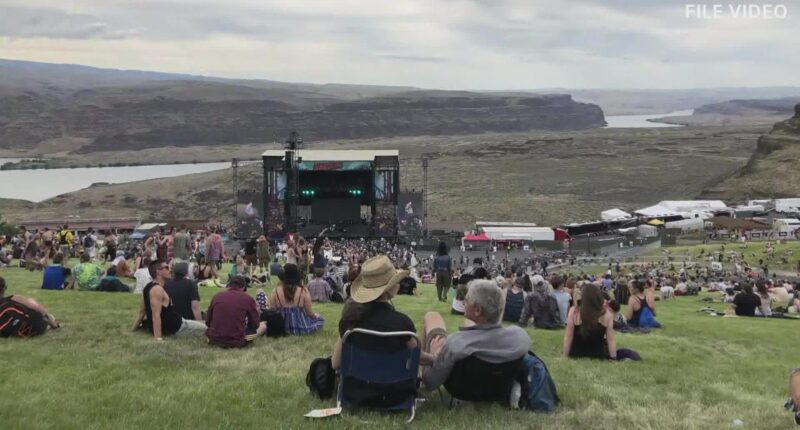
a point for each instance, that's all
(336, 155)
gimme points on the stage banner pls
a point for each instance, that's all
(410, 213)
(335, 165)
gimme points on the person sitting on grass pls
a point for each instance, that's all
(457, 307)
(86, 275)
(165, 321)
(590, 328)
(183, 292)
(233, 318)
(142, 276)
(120, 263)
(481, 336)
(369, 307)
(793, 404)
(203, 270)
(746, 302)
(319, 289)
(562, 297)
(542, 306)
(56, 275)
(22, 316)
(637, 303)
(111, 283)
(515, 299)
(294, 302)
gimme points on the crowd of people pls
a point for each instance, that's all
(167, 268)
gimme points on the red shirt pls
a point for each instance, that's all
(231, 315)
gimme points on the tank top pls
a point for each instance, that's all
(638, 314)
(591, 346)
(171, 322)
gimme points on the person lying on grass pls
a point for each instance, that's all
(481, 336)
(22, 316)
(165, 320)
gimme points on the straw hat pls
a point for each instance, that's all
(377, 275)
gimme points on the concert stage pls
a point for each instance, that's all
(353, 193)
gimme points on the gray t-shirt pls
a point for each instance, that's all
(488, 342)
(562, 298)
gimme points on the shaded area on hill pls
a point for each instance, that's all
(772, 171)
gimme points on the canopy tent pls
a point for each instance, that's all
(614, 214)
(657, 211)
(655, 222)
(476, 238)
(519, 233)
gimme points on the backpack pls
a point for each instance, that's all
(276, 326)
(87, 241)
(321, 378)
(17, 320)
(538, 389)
(336, 297)
(647, 319)
(545, 313)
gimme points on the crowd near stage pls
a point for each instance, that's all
(348, 193)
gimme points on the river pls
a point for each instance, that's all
(42, 184)
(641, 121)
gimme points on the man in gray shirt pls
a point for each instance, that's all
(481, 336)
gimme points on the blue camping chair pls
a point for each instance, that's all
(391, 375)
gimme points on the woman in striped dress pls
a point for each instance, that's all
(294, 302)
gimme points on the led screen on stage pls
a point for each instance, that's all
(249, 214)
(332, 211)
(410, 213)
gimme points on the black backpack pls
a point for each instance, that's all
(276, 326)
(87, 241)
(321, 378)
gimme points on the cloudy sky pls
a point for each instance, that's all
(451, 44)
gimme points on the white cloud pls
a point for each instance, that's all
(455, 44)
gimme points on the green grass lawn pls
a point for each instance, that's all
(789, 250)
(698, 372)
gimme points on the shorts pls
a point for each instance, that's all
(250, 260)
(434, 334)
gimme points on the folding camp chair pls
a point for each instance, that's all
(392, 374)
(475, 380)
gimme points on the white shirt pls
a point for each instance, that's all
(142, 279)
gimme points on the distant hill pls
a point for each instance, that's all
(773, 170)
(86, 109)
(649, 101)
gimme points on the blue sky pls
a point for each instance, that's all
(450, 44)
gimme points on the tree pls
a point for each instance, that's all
(7, 229)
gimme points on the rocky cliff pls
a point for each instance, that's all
(217, 114)
(772, 171)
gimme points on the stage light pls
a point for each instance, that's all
(308, 193)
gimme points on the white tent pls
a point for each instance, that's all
(645, 230)
(787, 205)
(614, 214)
(657, 211)
(695, 205)
(519, 233)
(691, 224)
